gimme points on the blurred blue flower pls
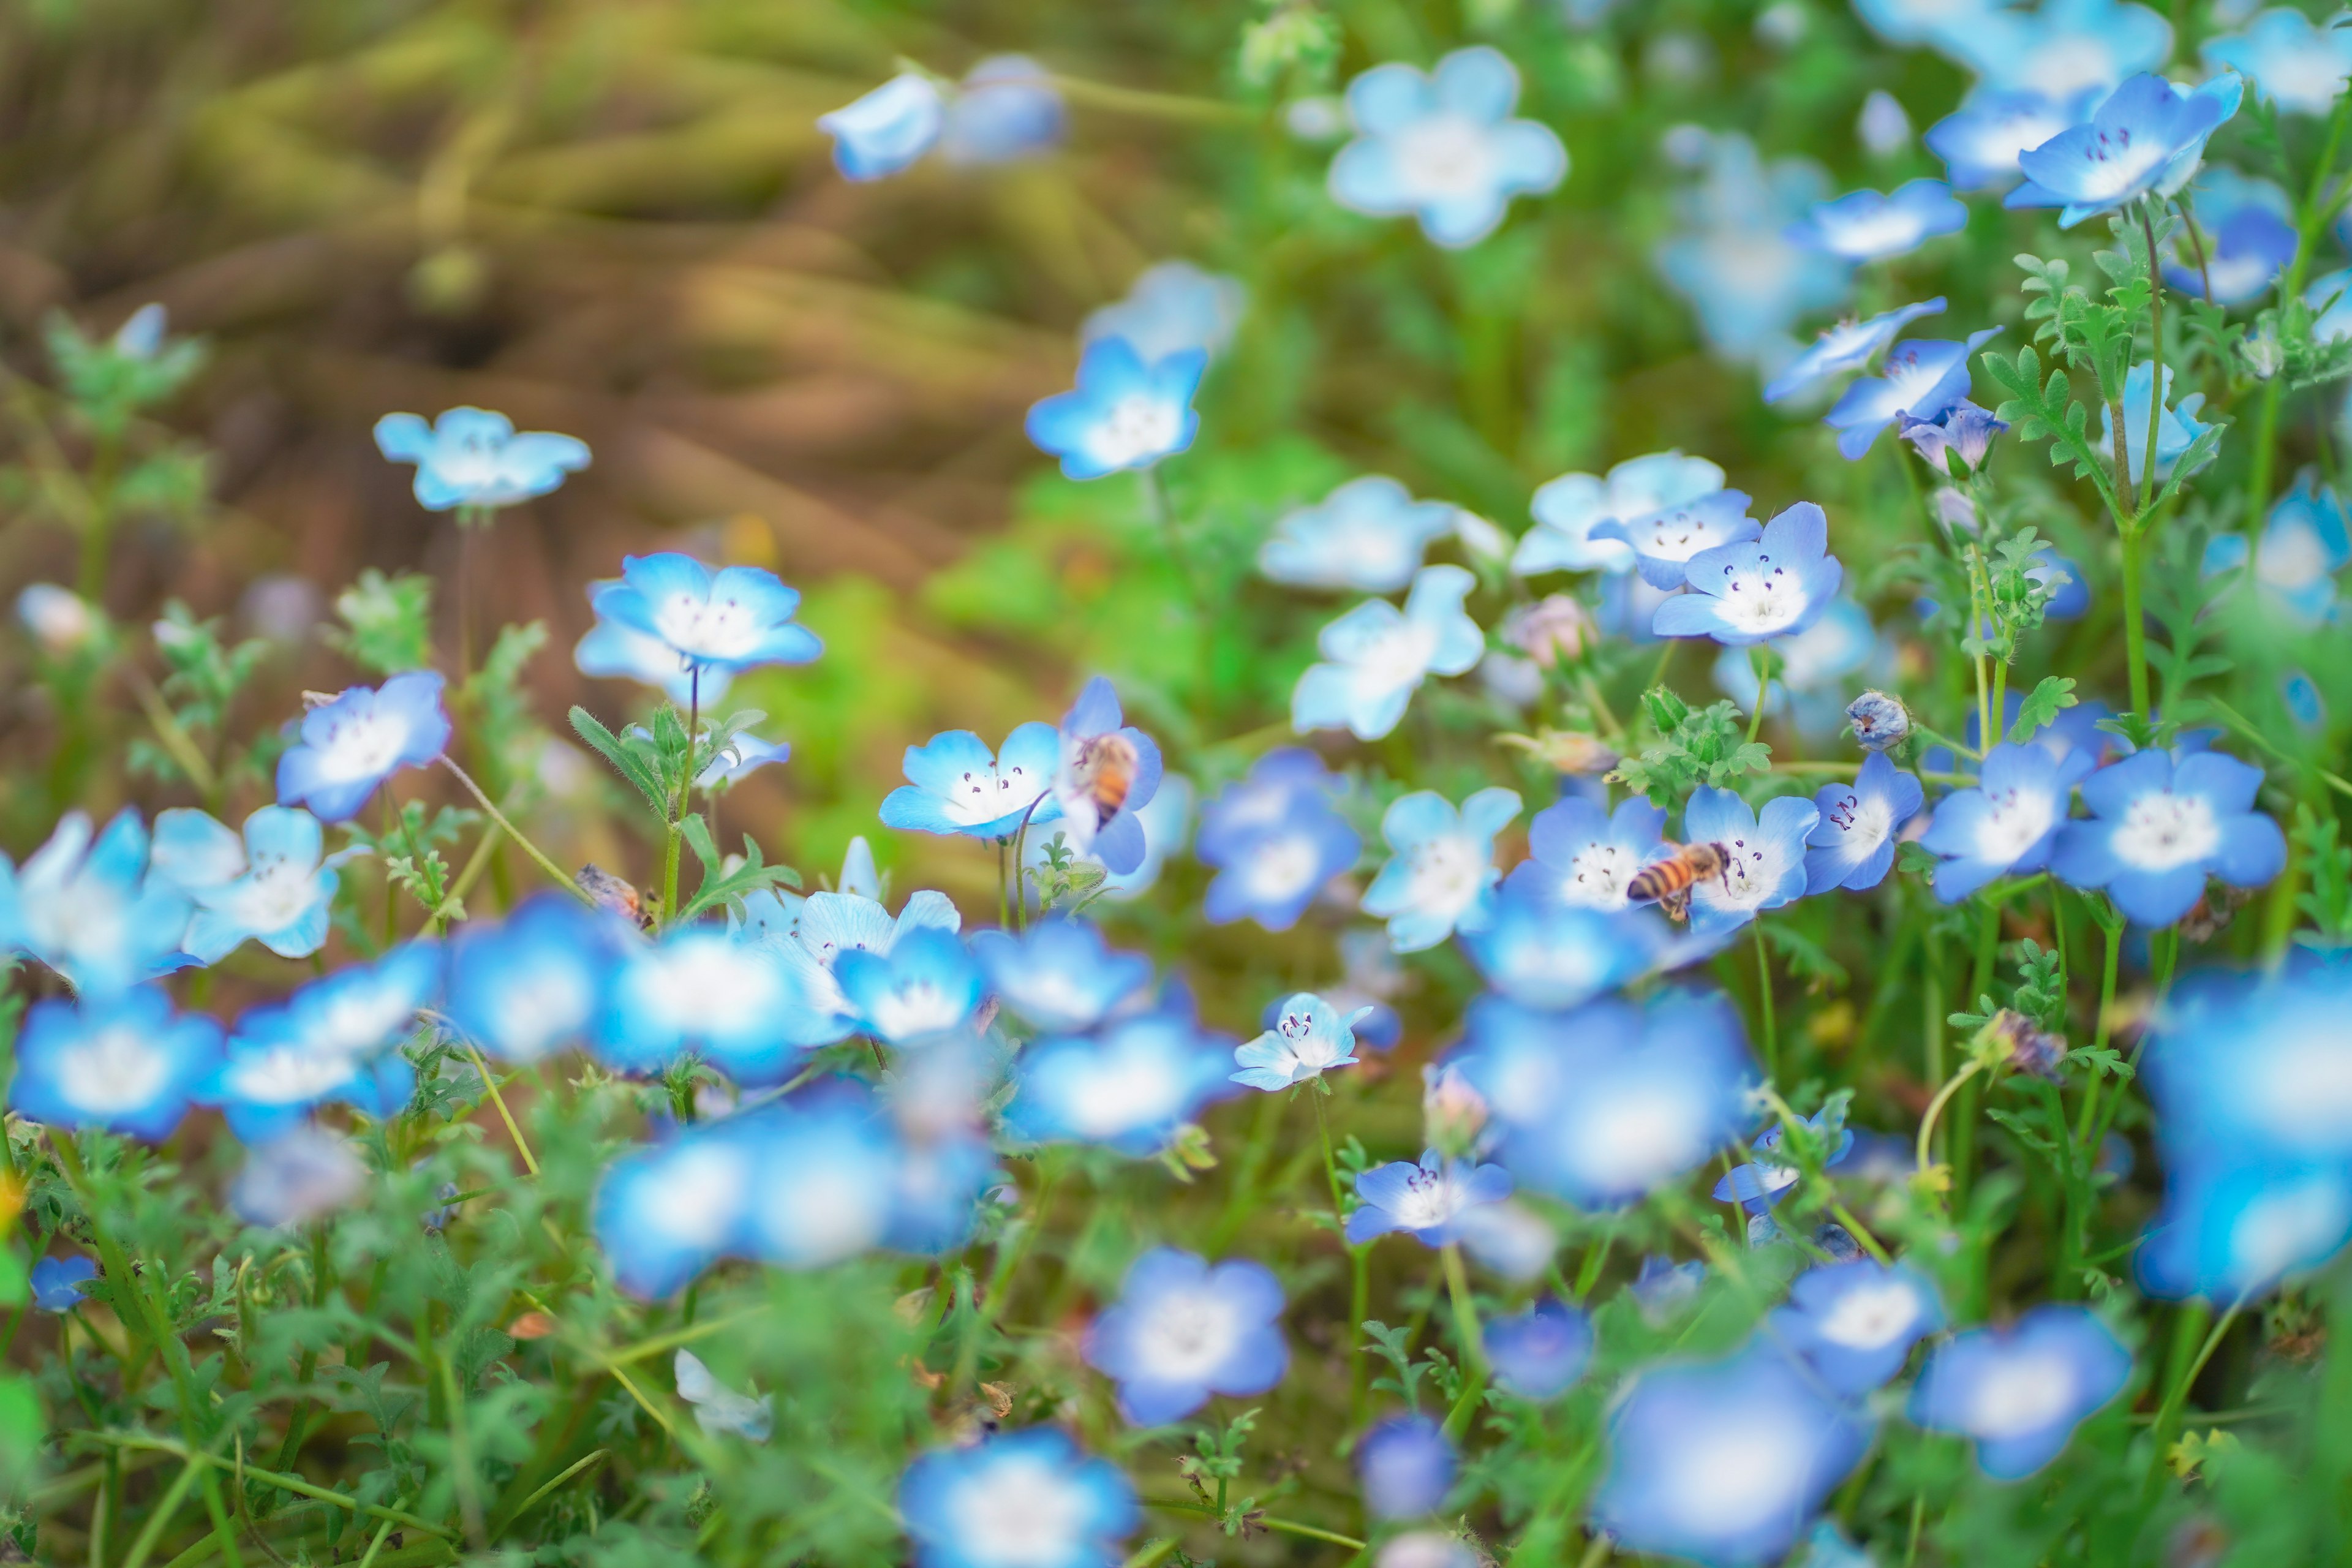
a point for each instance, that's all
(1979, 144)
(1369, 534)
(1005, 109)
(1847, 346)
(1758, 1184)
(1427, 1201)
(1854, 1323)
(738, 1003)
(1933, 22)
(663, 1214)
(1580, 855)
(1765, 863)
(335, 1040)
(2291, 61)
(735, 619)
(58, 1283)
(1539, 1354)
(120, 1061)
(2158, 828)
(1376, 656)
(2009, 824)
(1173, 305)
(1725, 1462)
(1060, 974)
(1543, 952)
(717, 1409)
(87, 906)
(2255, 1068)
(351, 745)
(273, 887)
(925, 986)
(301, 1174)
(1568, 507)
(2234, 1223)
(1406, 1466)
(2021, 1391)
(1308, 1038)
(2062, 49)
(826, 1185)
(2175, 431)
(1868, 225)
(888, 129)
(1884, 126)
(1273, 841)
(1852, 845)
(2300, 695)
(1181, 1331)
(1663, 1289)
(611, 650)
(141, 336)
(1962, 431)
(2304, 546)
(1441, 869)
(1123, 413)
(1756, 590)
(533, 984)
(1107, 772)
(472, 457)
(1030, 1498)
(1443, 147)
(1662, 542)
(1731, 257)
(1923, 377)
(2248, 238)
(2146, 139)
(1130, 1087)
(809, 936)
(956, 785)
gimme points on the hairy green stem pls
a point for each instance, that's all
(554, 872)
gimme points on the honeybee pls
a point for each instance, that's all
(1668, 882)
(611, 894)
(1103, 770)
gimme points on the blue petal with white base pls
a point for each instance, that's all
(1853, 844)
(1567, 509)
(1183, 1331)
(472, 457)
(1369, 534)
(1443, 147)
(1854, 1323)
(1868, 225)
(351, 745)
(1541, 1352)
(1765, 855)
(1306, 1038)
(1030, 1498)
(738, 1003)
(1375, 656)
(1773, 586)
(1923, 377)
(1847, 346)
(2144, 140)
(2160, 826)
(87, 905)
(2297, 64)
(534, 984)
(275, 886)
(1664, 539)
(1123, 412)
(1130, 1088)
(122, 1062)
(1060, 974)
(1440, 871)
(2021, 1391)
(957, 786)
(1426, 1201)
(1583, 856)
(2009, 824)
(888, 129)
(925, 986)
(734, 619)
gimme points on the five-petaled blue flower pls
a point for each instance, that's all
(926, 984)
(1181, 1331)
(1758, 1184)
(2146, 139)
(1308, 1038)
(1847, 346)
(351, 745)
(2061, 48)
(1173, 305)
(1427, 1201)
(1923, 377)
(474, 458)
(742, 1003)
(1539, 1354)
(120, 1061)
(1443, 147)
(1962, 435)
(1030, 1498)
(2159, 827)
(1854, 1323)
(336, 1039)
(1369, 534)
(1442, 867)
(957, 786)
(87, 905)
(535, 984)
(610, 649)
(1664, 540)
(1130, 1087)
(1732, 259)
(1852, 845)
(1868, 225)
(2296, 63)
(1406, 1466)
(1580, 855)
(1537, 949)
(1375, 656)
(1567, 509)
(58, 1283)
(1979, 144)
(1123, 413)
(1275, 841)
(2010, 823)
(1060, 974)
(888, 129)
(2248, 236)
(2177, 429)
(1764, 863)
(2304, 546)
(737, 618)
(2021, 1391)
(1753, 591)
(273, 887)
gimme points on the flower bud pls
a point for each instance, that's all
(1566, 751)
(2263, 355)
(1550, 630)
(2016, 1042)
(58, 618)
(1453, 1112)
(1880, 722)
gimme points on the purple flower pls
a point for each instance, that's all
(2160, 826)
(1923, 377)
(1964, 431)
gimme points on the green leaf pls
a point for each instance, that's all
(697, 834)
(2042, 705)
(631, 765)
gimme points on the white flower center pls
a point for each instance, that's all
(1885, 229)
(913, 1008)
(537, 1007)
(1443, 157)
(700, 1194)
(1740, 1472)
(1123, 1094)
(1637, 1133)
(1448, 873)
(2021, 1394)
(2013, 824)
(1597, 875)
(2120, 163)
(2161, 830)
(1763, 598)
(1398, 658)
(1136, 429)
(1281, 869)
(1869, 1316)
(1747, 878)
(270, 897)
(2300, 1090)
(113, 1071)
(1016, 1515)
(1677, 534)
(2287, 1229)
(1430, 1198)
(362, 745)
(2293, 557)
(288, 1075)
(1864, 822)
(1188, 1335)
(703, 628)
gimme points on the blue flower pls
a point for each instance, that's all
(1568, 507)
(1376, 656)
(1847, 346)
(1937, 23)
(735, 619)
(1545, 954)
(1275, 841)
(1060, 976)
(665, 1213)
(738, 1003)
(2177, 430)
(1854, 1323)
(303, 1174)
(273, 888)
(957, 786)
(2234, 1224)
(2062, 49)
(1764, 866)
(1017, 1499)
(1130, 1087)
(1732, 259)
(925, 986)
(120, 1061)
(1664, 1288)
(535, 984)
(335, 1040)
(1852, 845)
(719, 1410)
(1583, 856)
(1756, 590)
(809, 935)
(2009, 824)
(1664, 539)
(92, 910)
(2146, 139)
(1602, 1105)
(1962, 433)
(1541, 1352)
(1308, 1038)
(1884, 126)
(1758, 1186)
(1173, 305)
(825, 1187)
(1443, 147)
(1006, 109)
(351, 745)
(2021, 1391)
(888, 129)
(1123, 412)
(1427, 1201)
(1441, 870)
(2300, 695)
(1166, 823)
(1726, 1462)
(1979, 144)
(2248, 232)
(1181, 1331)
(2159, 829)
(1369, 534)
(1865, 225)
(2304, 546)
(2255, 1068)
(612, 650)
(1107, 772)
(472, 458)
(2297, 64)
(1923, 377)
(58, 1283)
(1406, 1466)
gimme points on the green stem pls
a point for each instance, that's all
(1764, 1002)
(684, 789)
(554, 872)
(1760, 659)
(2088, 1117)
(2315, 211)
(522, 1144)
(2156, 368)
(1266, 1521)
(2183, 1377)
(1474, 1343)
(1936, 1109)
